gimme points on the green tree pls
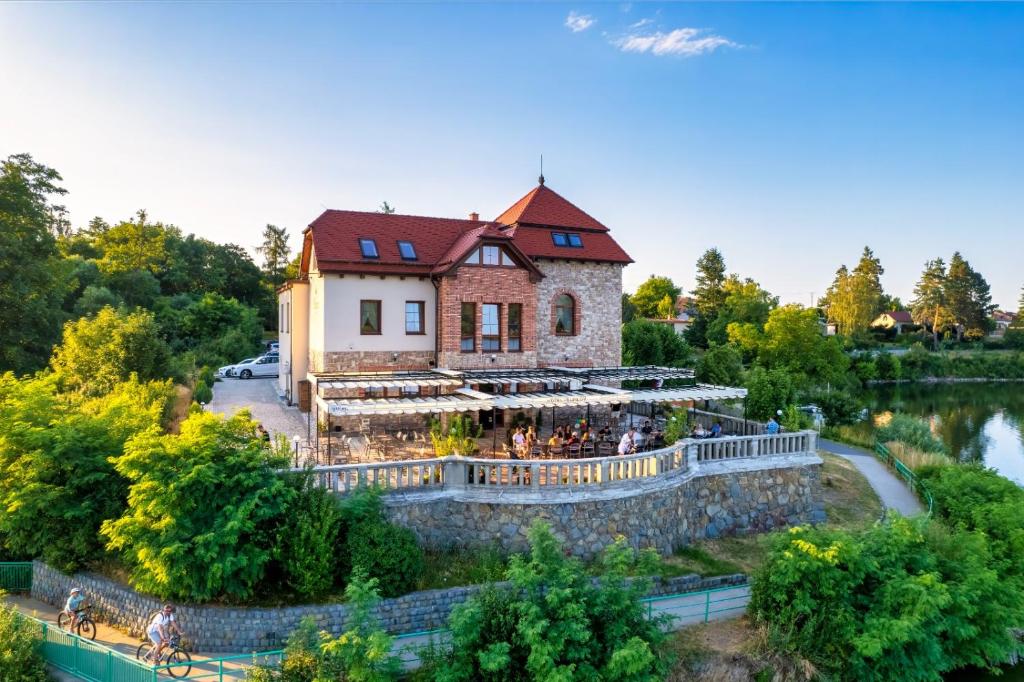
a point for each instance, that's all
(386, 208)
(275, 252)
(57, 484)
(99, 352)
(294, 265)
(652, 343)
(968, 298)
(363, 651)
(628, 309)
(929, 307)
(709, 294)
(745, 302)
(133, 245)
(94, 299)
(768, 391)
(651, 293)
(200, 508)
(32, 283)
(720, 365)
(667, 308)
(856, 298)
(554, 623)
(308, 538)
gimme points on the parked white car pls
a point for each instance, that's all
(229, 370)
(263, 366)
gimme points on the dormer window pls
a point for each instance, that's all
(569, 239)
(407, 250)
(368, 247)
(490, 255)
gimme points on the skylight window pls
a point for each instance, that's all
(407, 250)
(570, 239)
(368, 247)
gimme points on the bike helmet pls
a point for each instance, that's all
(75, 589)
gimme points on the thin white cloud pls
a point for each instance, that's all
(686, 42)
(640, 24)
(579, 22)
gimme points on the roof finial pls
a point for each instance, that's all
(541, 178)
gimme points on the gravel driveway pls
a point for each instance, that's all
(259, 396)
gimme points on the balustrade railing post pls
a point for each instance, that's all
(534, 475)
(604, 470)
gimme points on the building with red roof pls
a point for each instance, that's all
(538, 286)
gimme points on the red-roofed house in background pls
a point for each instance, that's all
(1001, 321)
(537, 287)
(896, 319)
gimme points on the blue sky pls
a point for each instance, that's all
(788, 135)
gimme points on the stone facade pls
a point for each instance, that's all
(734, 497)
(597, 290)
(370, 361)
(217, 629)
(487, 284)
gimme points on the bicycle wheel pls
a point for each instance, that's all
(143, 650)
(86, 628)
(63, 621)
(179, 663)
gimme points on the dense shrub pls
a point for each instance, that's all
(203, 393)
(57, 483)
(888, 366)
(200, 508)
(838, 407)
(905, 600)
(386, 552)
(555, 623)
(21, 656)
(912, 431)
(651, 343)
(308, 538)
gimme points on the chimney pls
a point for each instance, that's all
(474, 216)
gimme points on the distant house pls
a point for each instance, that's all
(1002, 321)
(895, 319)
(679, 324)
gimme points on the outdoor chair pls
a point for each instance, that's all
(573, 451)
(605, 449)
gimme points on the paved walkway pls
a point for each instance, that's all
(891, 490)
(259, 396)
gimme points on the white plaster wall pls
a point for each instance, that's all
(341, 296)
(284, 338)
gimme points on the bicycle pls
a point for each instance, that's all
(85, 627)
(178, 661)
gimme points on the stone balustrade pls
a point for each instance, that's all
(461, 474)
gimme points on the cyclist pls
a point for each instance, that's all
(74, 606)
(160, 629)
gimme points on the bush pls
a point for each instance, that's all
(768, 391)
(363, 651)
(387, 553)
(554, 623)
(199, 522)
(899, 601)
(21, 644)
(207, 376)
(838, 407)
(912, 431)
(307, 539)
(57, 483)
(203, 393)
(888, 367)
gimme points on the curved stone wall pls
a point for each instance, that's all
(216, 629)
(733, 497)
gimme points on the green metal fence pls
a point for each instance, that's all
(698, 607)
(95, 662)
(16, 576)
(911, 479)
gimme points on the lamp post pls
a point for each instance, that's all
(295, 443)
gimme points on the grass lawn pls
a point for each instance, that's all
(849, 501)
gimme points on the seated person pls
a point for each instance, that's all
(604, 434)
(626, 442)
(716, 430)
(647, 429)
(573, 438)
(698, 431)
(555, 441)
(74, 605)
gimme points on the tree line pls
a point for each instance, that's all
(209, 302)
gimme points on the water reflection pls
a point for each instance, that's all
(978, 422)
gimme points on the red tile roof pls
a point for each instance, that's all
(544, 206)
(900, 316)
(439, 242)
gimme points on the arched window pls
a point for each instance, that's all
(565, 315)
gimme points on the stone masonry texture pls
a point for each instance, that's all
(597, 289)
(217, 629)
(704, 507)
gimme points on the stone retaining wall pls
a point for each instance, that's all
(732, 497)
(216, 629)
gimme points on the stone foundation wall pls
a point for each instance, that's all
(216, 629)
(370, 361)
(735, 497)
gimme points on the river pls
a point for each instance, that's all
(978, 422)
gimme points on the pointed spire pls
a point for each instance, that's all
(541, 178)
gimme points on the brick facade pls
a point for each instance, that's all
(369, 361)
(597, 290)
(479, 285)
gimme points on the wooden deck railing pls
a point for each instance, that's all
(468, 473)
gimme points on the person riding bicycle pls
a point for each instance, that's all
(160, 629)
(74, 606)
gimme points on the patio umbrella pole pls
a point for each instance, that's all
(494, 431)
